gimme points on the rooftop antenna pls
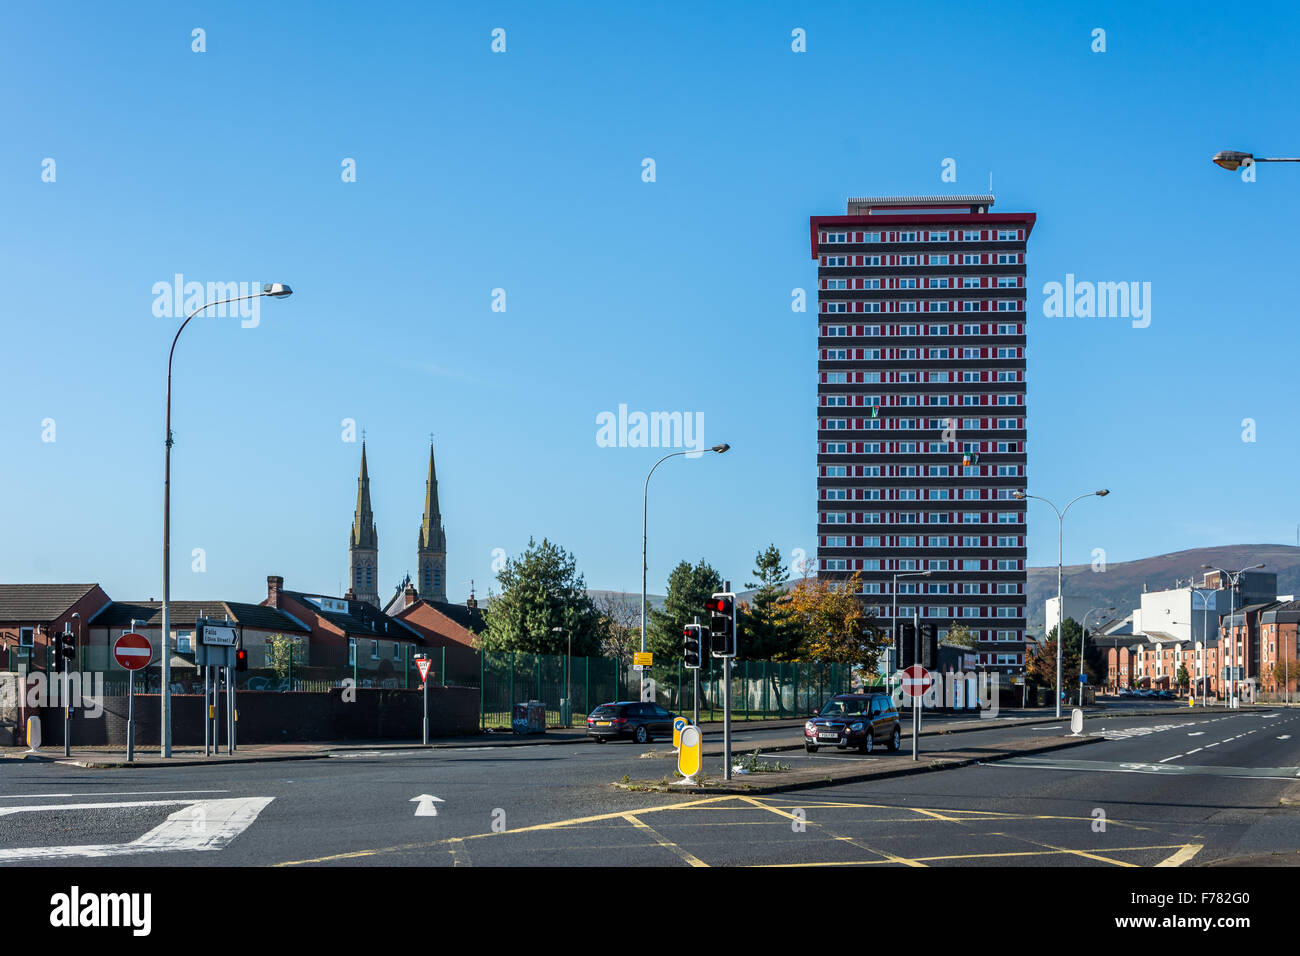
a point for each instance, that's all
(990, 182)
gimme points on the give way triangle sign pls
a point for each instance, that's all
(423, 664)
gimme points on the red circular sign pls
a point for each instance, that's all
(133, 651)
(916, 680)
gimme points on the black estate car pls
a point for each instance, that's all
(854, 720)
(629, 718)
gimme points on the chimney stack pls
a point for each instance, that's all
(274, 585)
(472, 602)
(410, 595)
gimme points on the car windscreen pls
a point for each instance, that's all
(607, 710)
(846, 707)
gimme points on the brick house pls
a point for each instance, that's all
(343, 630)
(1278, 643)
(31, 613)
(453, 627)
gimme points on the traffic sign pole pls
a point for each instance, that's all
(67, 704)
(132, 651)
(916, 700)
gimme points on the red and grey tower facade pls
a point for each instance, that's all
(921, 412)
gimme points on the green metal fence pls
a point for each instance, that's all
(570, 688)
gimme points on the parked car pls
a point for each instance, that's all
(630, 719)
(858, 721)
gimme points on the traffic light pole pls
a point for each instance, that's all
(67, 703)
(916, 698)
(695, 694)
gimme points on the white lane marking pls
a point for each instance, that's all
(101, 793)
(202, 825)
(426, 806)
(1207, 746)
(1174, 757)
(1197, 733)
(1196, 751)
(46, 807)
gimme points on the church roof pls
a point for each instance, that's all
(363, 520)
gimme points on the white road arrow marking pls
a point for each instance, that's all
(426, 806)
(200, 825)
(1285, 737)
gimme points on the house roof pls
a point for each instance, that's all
(185, 613)
(361, 619)
(1288, 613)
(21, 603)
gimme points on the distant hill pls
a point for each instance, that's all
(1122, 583)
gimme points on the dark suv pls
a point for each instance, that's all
(627, 718)
(854, 720)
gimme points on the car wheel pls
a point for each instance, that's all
(810, 748)
(895, 739)
(868, 745)
(642, 735)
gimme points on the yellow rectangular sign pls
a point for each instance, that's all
(643, 659)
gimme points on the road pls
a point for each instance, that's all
(1154, 790)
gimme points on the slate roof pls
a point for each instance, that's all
(362, 619)
(20, 603)
(185, 613)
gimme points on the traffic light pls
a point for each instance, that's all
(691, 642)
(907, 645)
(929, 647)
(66, 646)
(722, 628)
(241, 659)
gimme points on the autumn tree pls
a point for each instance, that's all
(831, 623)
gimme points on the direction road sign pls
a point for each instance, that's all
(133, 651)
(422, 664)
(916, 680)
(643, 659)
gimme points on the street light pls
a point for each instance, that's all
(568, 675)
(276, 290)
(1082, 636)
(1233, 578)
(645, 498)
(1205, 633)
(1235, 159)
(1060, 596)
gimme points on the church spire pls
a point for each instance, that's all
(363, 542)
(432, 550)
(363, 520)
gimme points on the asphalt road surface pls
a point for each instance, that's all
(1160, 790)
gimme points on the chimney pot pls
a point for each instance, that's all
(274, 585)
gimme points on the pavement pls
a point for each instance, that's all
(103, 758)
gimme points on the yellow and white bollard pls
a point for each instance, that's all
(688, 755)
(679, 724)
(34, 735)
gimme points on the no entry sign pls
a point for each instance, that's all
(132, 651)
(916, 680)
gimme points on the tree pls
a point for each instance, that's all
(1182, 678)
(622, 625)
(283, 652)
(831, 623)
(1041, 665)
(765, 632)
(542, 590)
(959, 635)
(689, 587)
(1284, 674)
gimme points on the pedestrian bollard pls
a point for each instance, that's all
(1076, 722)
(688, 756)
(34, 735)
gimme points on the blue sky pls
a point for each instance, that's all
(522, 171)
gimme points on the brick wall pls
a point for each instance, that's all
(272, 717)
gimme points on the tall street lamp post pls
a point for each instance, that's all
(1205, 632)
(568, 675)
(1235, 159)
(276, 290)
(1233, 578)
(1060, 596)
(645, 498)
